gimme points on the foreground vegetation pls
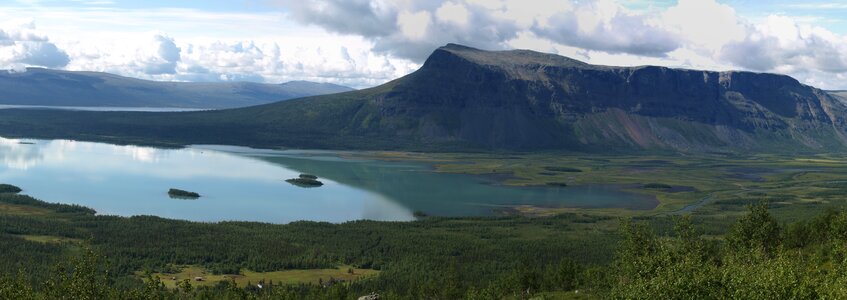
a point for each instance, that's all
(65, 251)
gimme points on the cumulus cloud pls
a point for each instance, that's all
(158, 57)
(161, 57)
(453, 12)
(145, 55)
(192, 45)
(412, 29)
(363, 17)
(22, 45)
(705, 25)
(414, 26)
(368, 42)
(605, 26)
(781, 43)
(690, 33)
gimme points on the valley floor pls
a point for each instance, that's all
(527, 252)
(708, 186)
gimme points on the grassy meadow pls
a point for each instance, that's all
(245, 277)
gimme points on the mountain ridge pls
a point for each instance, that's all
(466, 99)
(39, 86)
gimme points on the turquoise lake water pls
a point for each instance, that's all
(246, 184)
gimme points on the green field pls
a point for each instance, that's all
(50, 239)
(308, 276)
(14, 209)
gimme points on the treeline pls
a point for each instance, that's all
(435, 258)
(415, 258)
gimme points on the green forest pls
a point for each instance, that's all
(568, 256)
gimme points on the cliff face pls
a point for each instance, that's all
(528, 100)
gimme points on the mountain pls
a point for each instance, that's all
(842, 95)
(469, 99)
(47, 87)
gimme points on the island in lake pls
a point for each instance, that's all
(305, 180)
(9, 189)
(182, 194)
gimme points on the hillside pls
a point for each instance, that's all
(469, 99)
(839, 94)
(64, 88)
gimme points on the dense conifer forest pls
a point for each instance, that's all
(566, 256)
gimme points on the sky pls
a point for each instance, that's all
(363, 43)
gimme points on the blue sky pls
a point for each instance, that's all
(209, 5)
(829, 14)
(832, 14)
(368, 42)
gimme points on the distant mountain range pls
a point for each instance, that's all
(47, 87)
(468, 99)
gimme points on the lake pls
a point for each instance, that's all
(244, 184)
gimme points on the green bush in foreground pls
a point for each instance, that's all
(755, 262)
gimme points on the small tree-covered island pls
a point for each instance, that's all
(305, 180)
(182, 194)
(8, 188)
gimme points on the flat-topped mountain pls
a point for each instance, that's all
(528, 100)
(469, 99)
(47, 87)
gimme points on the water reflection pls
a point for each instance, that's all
(131, 180)
(18, 154)
(246, 184)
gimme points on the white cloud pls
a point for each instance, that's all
(368, 42)
(22, 45)
(780, 44)
(190, 45)
(451, 12)
(414, 25)
(606, 26)
(689, 33)
(160, 57)
(406, 29)
(704, 24)
(349, 61)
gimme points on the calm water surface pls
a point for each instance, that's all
(247, 184)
